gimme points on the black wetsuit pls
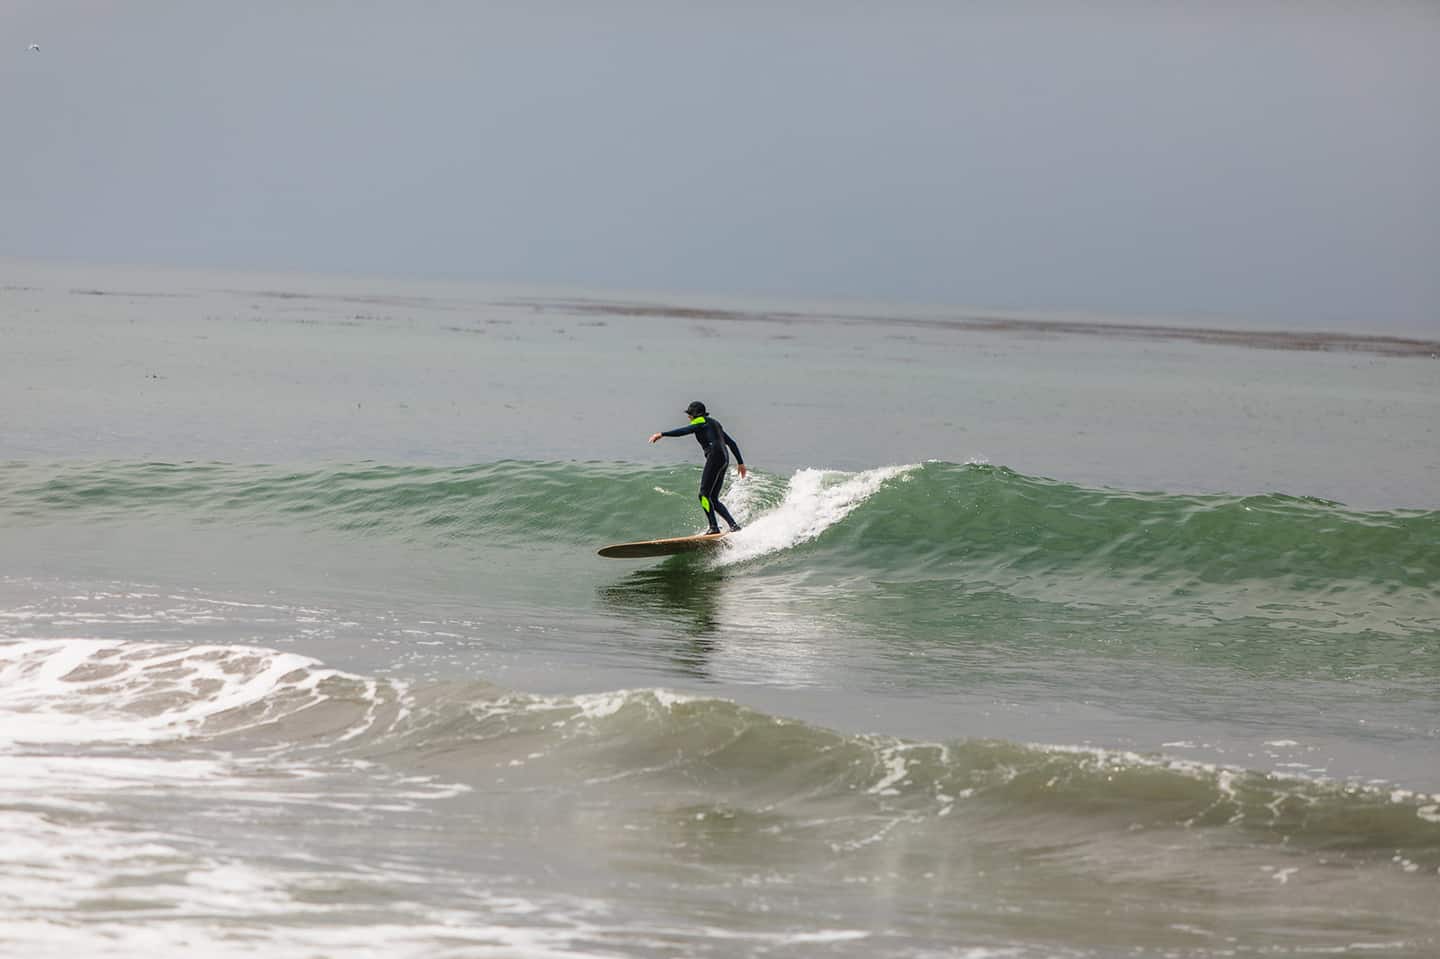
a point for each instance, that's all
(713, 440)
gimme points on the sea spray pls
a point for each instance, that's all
(814, 500)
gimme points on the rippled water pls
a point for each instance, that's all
(1036, 642)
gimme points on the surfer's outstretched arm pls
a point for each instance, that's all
(686, 430)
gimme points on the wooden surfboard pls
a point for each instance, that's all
(661, 547)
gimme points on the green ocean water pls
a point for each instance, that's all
(1032, 645)
(1283, 560)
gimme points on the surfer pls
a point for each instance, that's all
(713, 439)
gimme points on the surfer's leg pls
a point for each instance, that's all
(711, 482)
(711, 479)
(725, 515)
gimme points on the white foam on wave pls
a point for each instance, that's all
(88, 691)
(79, 719)
(815, 500)
(126, 826)
(601, 705)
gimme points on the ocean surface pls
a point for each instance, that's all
(1044, 637)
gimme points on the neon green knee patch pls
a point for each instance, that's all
(705, 504)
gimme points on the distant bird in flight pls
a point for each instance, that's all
(34, 48)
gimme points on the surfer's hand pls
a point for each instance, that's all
(654, 437)
(742, 470)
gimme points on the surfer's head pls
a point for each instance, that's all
(696, 408)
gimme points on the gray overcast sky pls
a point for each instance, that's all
(1274, 161)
